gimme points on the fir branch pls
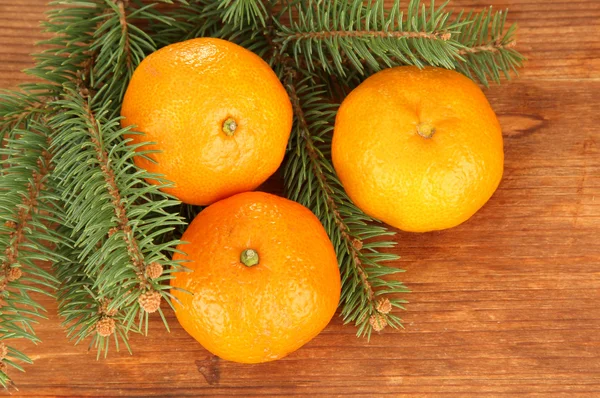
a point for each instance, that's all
(243, 12)
(72, 27)
(200, 18)
(122, 216)
(317, 166)
(85, 315)
(339, 37)
(108, 174)
(115, 215)
(489, 49)
(118, 46)
(311, 180)
(96, 44)
(494, 48)
(117, 221)
(336, 34)
(205, 18)
(15, 109)
(25, 212)
(29, 202)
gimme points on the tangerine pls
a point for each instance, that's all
(420, 149)
(264, 278)
(217, 114)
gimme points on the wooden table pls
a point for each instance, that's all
(507, 303)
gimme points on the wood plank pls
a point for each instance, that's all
(505, 304)
(20, 29)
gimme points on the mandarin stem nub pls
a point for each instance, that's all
(249, 257)
(229, 126)
(425, 130)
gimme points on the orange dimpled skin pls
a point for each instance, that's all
(217, 113)
(276, 303)
(418, 149)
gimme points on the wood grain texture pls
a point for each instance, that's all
(505, 304)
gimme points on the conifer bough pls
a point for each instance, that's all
(71, 196)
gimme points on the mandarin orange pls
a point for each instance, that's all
(217, 114)
(264, 278)
(420, 149)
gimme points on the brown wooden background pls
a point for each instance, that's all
(505, 304)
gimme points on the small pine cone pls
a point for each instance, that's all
(384, 306)
(150, 301)
(154, 270)
(104, 308)
(378, 322)
(105, 326)
(10, 224)
(357, 244)
(3, 351)
(13, 274)
(112, 312)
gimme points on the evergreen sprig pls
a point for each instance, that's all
(489, 49)
(188, 20)
(114, 220)
(337, 34)
(311, 180)
(340, 37)
(16, 109)
(26, 208)
(243, 12)
(68, 180)
(85, 313)
(114, 214)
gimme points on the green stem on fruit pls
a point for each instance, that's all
(249, 257)
(425, 130)
(229, 126)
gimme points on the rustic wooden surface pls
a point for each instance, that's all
(505, 304)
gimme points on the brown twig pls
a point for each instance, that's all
(133, 249)
(353, 245)
(123, 21)
(368, 33)
(24, 216)
(494, 47)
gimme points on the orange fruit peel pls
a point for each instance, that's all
(420, 149)
(217, 114)
(264, 278)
